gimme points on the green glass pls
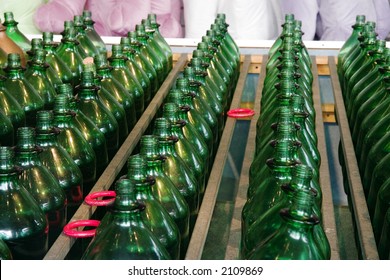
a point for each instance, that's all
(191, 88)
(192, 117)
(135, 69)
(23, 225)
(221, 19)
(116, 89)
(69, 53)
(381, 202)
(193, 136)
(157, 36)
(142, 61)
(351, 43)
(205, 93)
(216, 82)
(155, 58)
(369, 93)
(9, 46)
(122, 234)
(184, 147)
(156, 218)
(69, 25)
(72, 140)
(6, 130)
(17, 84)
(40, 182)
(11, 107)
(295, 239)
(111, 103)
(36, 75)
(3, 60)
(88, 129)
(288, 21)
(265, 192)
(176, 169)
(52, 58)
(384, 242)
(58, 161)
(92, 34)
(165, 190)
(5, 253)
(81, 35)
(93, 107)
(14, 33)
(123, 75)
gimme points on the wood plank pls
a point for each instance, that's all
(233, 245)
(199, 234)
(63, 244)
(328, 217)
(364, 232)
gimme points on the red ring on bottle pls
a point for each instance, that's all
(91, 199)
(69, 229)
(240, 113)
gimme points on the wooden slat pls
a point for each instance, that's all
(364, 232)
(199, 234)
(233, 245)
(328, 217)
(63, 244)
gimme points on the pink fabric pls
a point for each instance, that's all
(112, 17)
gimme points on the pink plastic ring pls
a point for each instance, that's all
(241, 113)
(92, 200)
(69, 229)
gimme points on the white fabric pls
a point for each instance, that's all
(198, 15)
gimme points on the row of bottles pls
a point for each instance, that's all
(65, 118)
(363, 68)
(166, 177)
(281, 218)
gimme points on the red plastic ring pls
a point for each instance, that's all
(241, 113)
(92, 200)
(69, 229)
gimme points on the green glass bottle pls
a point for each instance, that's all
(3, 60)
(11, 107)
(14, 33)
(265, 192)
(111, 103)
(36, 75)
(190, 131)
(369, 92)
(154, 56)
(5, 253)
(197, 74)
(72, 140)
(184, 147)
(165, 190)
(122, 234)
(81, 35)
(155, 216)
(176, 169)
(288, 23)
(268, 223)
(144, 63)
(92, 34)
(157, 36)
(135, 69)
(190, 115)
(58, 161)
(295, 238)
(384, 242)
(26, 95)
(191, 88)
(88, 129)
(93, 107)
(9, 46)
(122, 74)
(382, 205)
(351, 43)
(116, 89)
(40, 182)
(23, 225)
(6, 130)
(69, 25)
(221, 19)
(52, 58)
(68, 52)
